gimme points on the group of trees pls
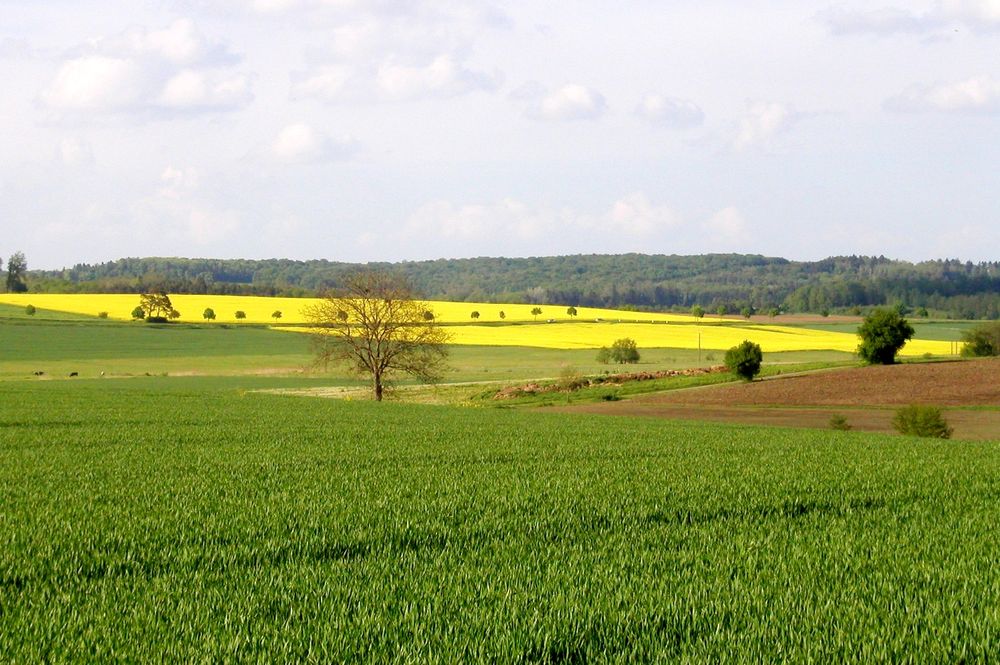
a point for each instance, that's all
(714, 282)
(623, 351)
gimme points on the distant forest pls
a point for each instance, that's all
(655, 282)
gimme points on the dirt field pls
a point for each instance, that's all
(866, 396)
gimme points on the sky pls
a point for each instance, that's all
(390, 130)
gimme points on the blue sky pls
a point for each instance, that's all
(411, 129)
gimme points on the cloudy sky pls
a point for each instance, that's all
(416, 129)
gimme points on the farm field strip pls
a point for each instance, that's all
(580, 332)
(198, 526)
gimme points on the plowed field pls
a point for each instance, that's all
(867, 396)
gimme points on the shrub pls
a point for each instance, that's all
(624, 351)
(926, 421)
(138, 313)
(30, 310)
(102, 315)
(839, 422)
(744, 360)
(883, 333)
(240, 314)
(981, 341)
(475, 314)
(697, 311)
(604, 355)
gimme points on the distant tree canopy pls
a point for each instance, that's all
(735, 281)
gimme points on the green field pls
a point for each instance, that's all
(185, 515)
(215, 524)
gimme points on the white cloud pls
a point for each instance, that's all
(96, 82)
(148, 71)
(761, 122)
(974, 95)
(977, 15)
(74, 152)
(728, 227)
(442, 77)
(300, 143)
(203, 90)
(571, 102)
(180, 212)
(670, 112)
(634, 215)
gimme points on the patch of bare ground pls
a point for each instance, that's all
(866, 396)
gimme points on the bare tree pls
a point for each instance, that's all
(375, 324)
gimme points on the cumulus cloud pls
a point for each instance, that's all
(976, 15)
(632, 223)
(175, 69)
(299, 143)
(728, 227)
(569, 102)
(381, 52)
(975, 95)
(670, 112)
(761, 122)
(180, 210)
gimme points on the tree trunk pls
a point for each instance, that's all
(377, 385)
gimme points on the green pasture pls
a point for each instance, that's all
(90, 346)
(213, 524)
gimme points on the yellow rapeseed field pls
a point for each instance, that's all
(590, 329)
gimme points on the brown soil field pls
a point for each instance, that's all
(866, 396)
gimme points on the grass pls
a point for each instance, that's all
(222, 525)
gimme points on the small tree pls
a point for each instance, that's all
(774, 311)
(721, 310)
(240, 315)
(29, 310)
(475, 314)
(883, 333)
(157, 306)
(571, 311)
(17, 266)
(138, 313)
(838, 421)
(174, 314)
(102, 315)
(697, 311)
(825, 312)
(384, 333)
(535, 311)
(428, 315)
(624, 351)
(276, 314)
(744, 360)
(924, 421)
(503, 315)
(208, 314)
(604, 355)
(746, 312)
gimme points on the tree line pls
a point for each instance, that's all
(716, 282)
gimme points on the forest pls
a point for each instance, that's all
(716, 282)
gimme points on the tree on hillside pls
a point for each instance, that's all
(535, 311)
(17, 266)
(883, 333)
(385, 331)
(156, 306)
(276, 314)
(571, 311)
(475, 314)
(208, 314)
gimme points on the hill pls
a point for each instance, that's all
(733, 281)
